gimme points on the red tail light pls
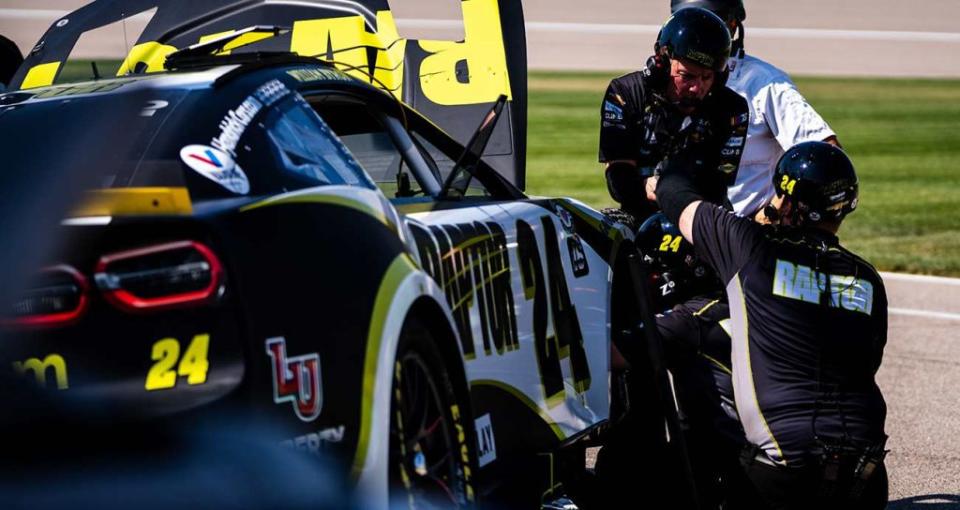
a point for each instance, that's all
(168, 275)
(57, 297)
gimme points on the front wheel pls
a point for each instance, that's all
(432, 455)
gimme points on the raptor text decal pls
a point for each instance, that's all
(470, 261)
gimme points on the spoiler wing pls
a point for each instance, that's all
(454, 83)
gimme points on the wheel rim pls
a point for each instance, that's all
(424, 447)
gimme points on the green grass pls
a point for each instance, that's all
(902, 135)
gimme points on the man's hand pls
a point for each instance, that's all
(650, 185)
(765, 219)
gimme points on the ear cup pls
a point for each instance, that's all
(657, 71)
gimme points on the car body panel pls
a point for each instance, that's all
(452, 82)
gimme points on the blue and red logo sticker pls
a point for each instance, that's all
(216, 165)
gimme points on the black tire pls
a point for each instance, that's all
(432, 444)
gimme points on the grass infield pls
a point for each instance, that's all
(902, 135)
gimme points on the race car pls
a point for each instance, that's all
(284, 235)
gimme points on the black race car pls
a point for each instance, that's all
(282, 235)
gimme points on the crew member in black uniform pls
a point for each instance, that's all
(676, 107)
(677, 104)
(809, 322)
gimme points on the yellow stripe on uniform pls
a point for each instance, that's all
(705, 308)
(134, 201)
(399, 269)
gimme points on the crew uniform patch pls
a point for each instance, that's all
(612, 115)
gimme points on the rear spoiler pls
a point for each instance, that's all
(454, 83)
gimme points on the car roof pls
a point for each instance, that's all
(305, 73)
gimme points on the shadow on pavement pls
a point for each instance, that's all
(927, 502)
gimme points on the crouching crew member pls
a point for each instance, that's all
(808, 321)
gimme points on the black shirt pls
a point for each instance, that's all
(808, 321)
(638, 123)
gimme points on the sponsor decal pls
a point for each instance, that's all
(578, 258)
(152, 107)
(235, 122)
(729, 152)
(316, 442)
(471, 263)
(51, 363)
(612, 111)
(735, 141)
(216, 165)
(667, 288)
(322, 74)
(802, 283)
(566, 219)
(296, 379)
(728, 168)
(486, 446)
(700, 58)
(743, 118)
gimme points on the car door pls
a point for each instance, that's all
(530, 301)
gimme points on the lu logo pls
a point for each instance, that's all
(296, 380)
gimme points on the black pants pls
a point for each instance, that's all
(768, 487)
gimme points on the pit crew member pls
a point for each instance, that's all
(808, 324)
(780, 117)
(677, 104)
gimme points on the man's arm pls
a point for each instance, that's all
(619, 144)
(721, 239)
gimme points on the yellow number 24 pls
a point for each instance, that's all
(193, 365)
(787, 184)
(671, 243)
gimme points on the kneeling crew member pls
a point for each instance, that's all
(808, 325)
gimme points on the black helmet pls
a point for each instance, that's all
(728, 10)
(697, 35)
(820, 180)
(675, 272)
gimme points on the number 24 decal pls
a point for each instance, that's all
(671, 243)
(193, 364)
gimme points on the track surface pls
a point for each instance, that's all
(823, 37)
(920, 376)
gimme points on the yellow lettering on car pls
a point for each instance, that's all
(344, 41)
(152, 54)
(39, 369)
(484, 74)
(40, 75)
(166, 352)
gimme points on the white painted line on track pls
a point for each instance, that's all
(52, 15)
(32, 14)
(920, 278)
(924, 313)
(778, 33)
(616, 28)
